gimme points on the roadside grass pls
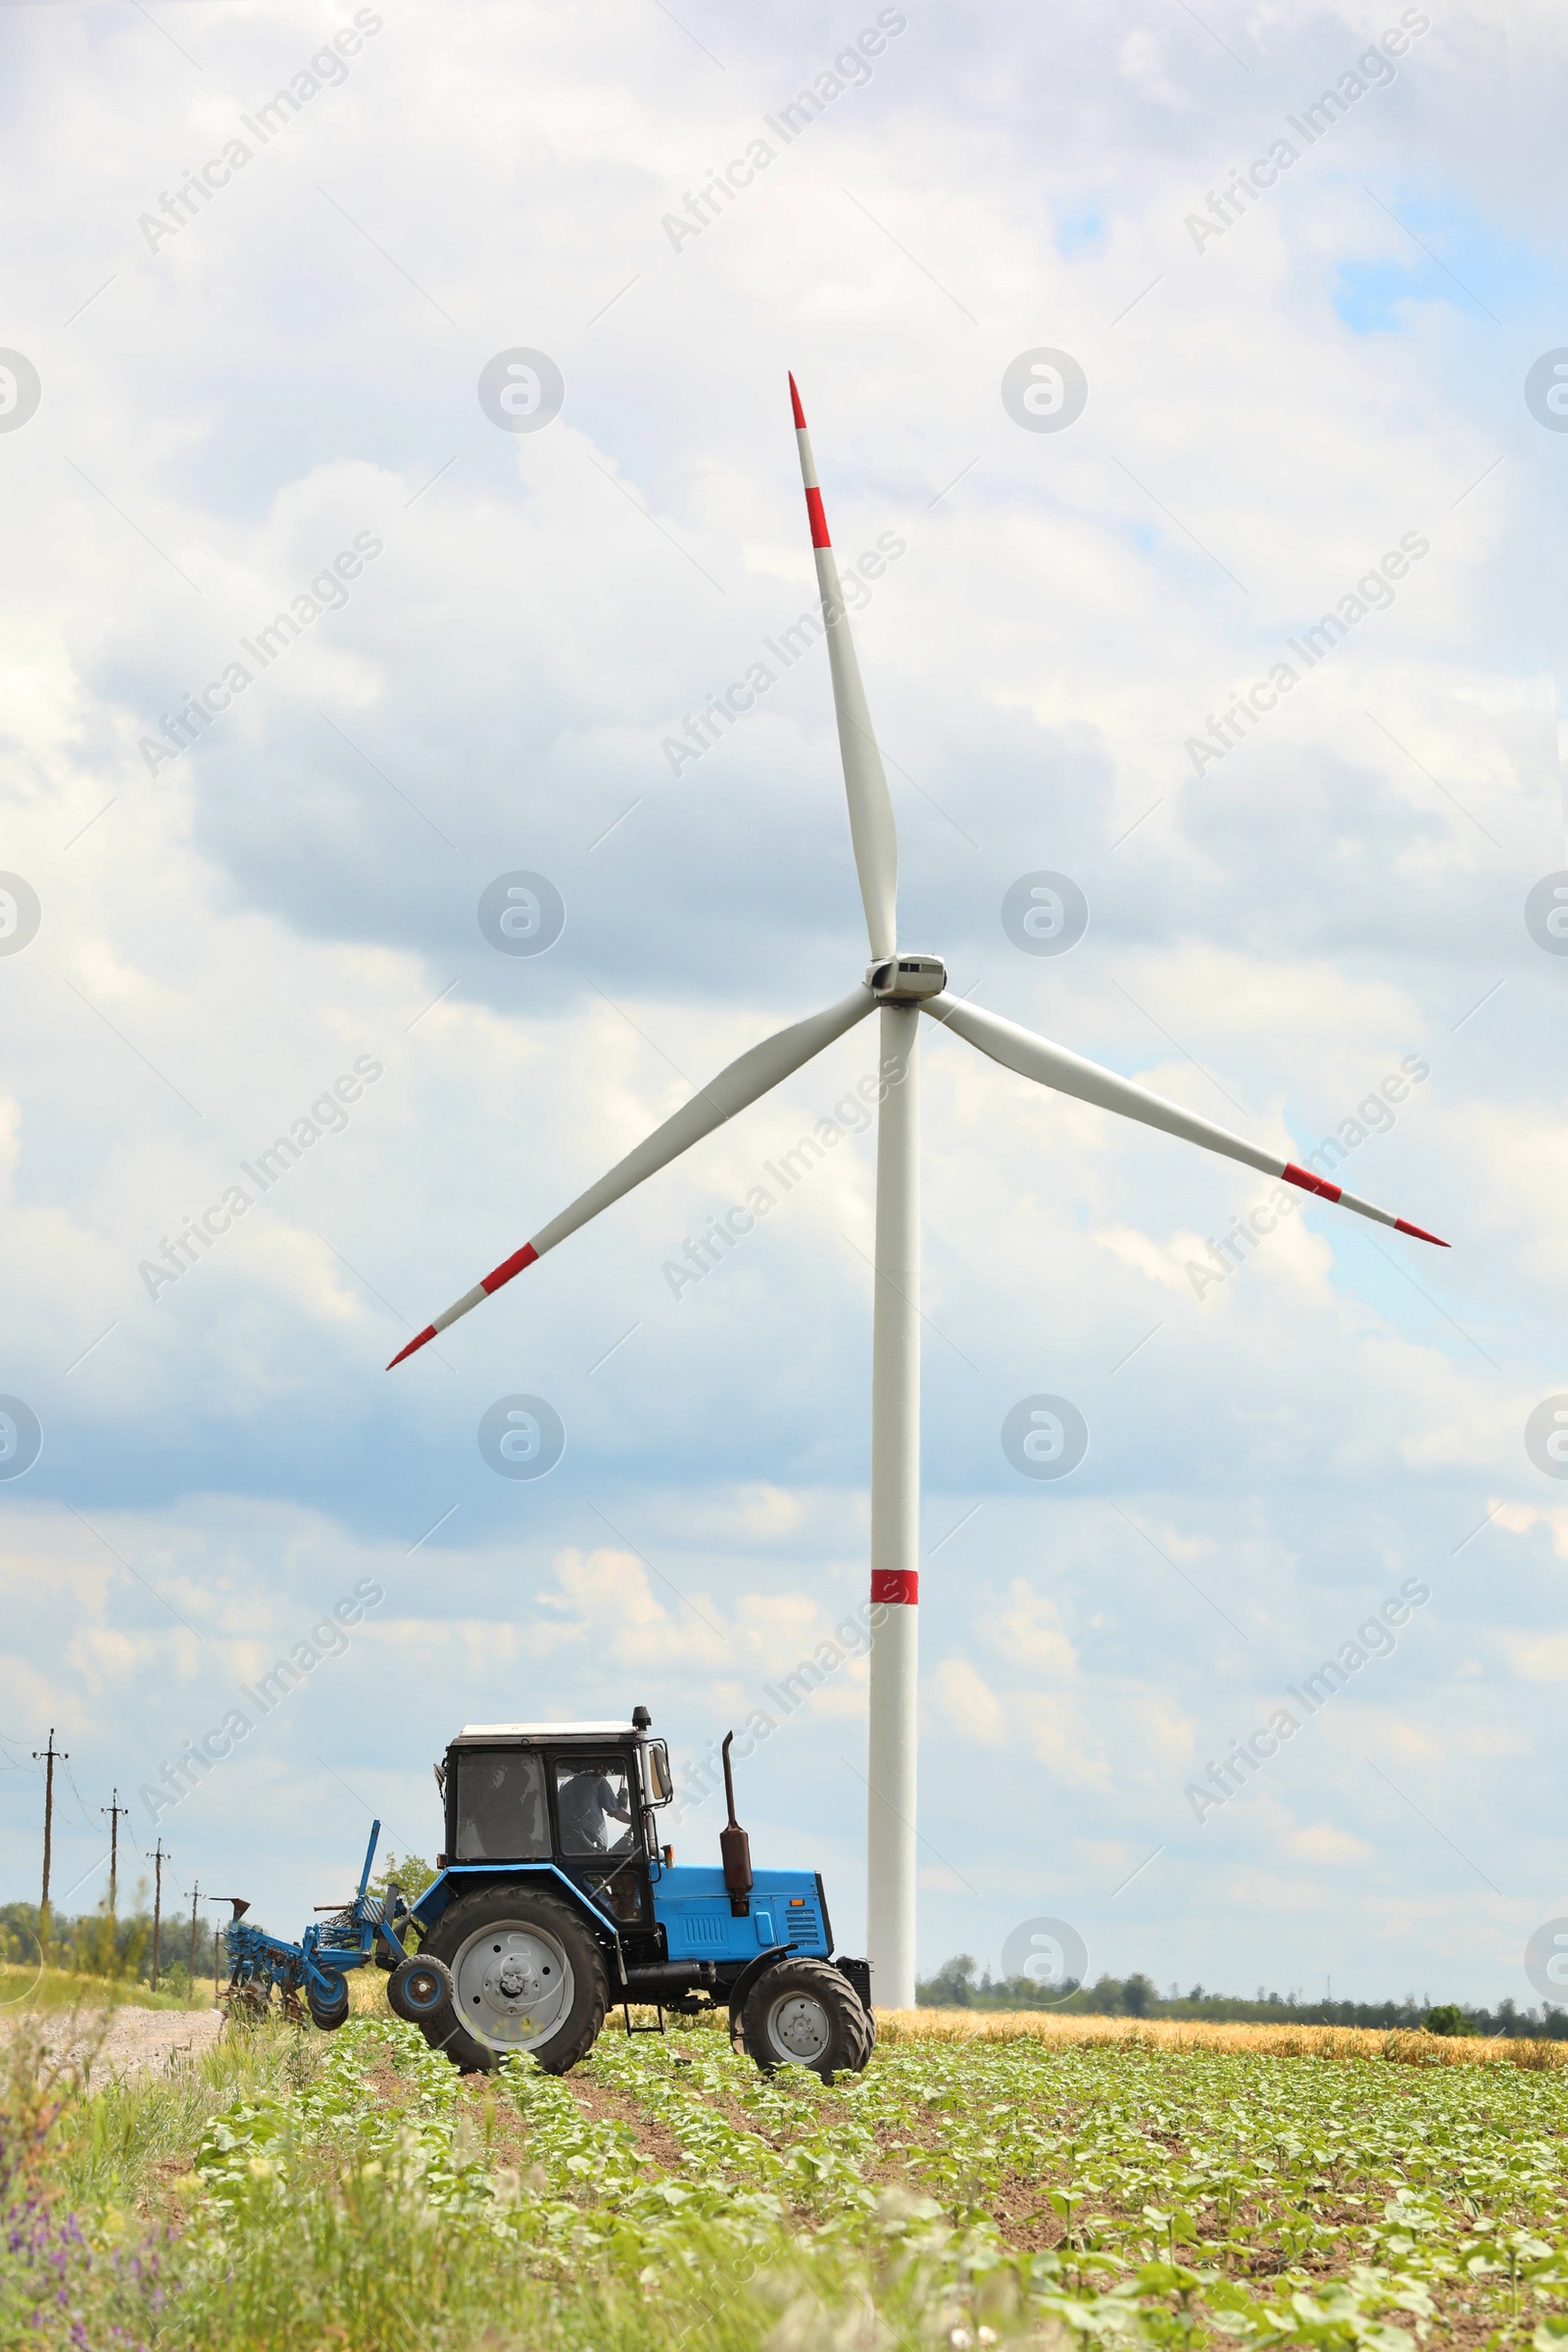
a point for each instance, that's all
(53, 1988)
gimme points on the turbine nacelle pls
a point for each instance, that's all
(906, 979)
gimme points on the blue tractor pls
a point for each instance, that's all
(553, 1902)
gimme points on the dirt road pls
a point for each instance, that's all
(137, 2041)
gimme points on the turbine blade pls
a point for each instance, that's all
(1069, 1074)
(756, 1071)
(871, 826)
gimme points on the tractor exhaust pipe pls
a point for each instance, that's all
(734, 1847)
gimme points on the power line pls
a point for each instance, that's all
(76, 1793)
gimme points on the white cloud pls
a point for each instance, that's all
(1538, 1658)
(1027, 1630)
(1519, 1518)
(1323, 1843)
(970, 1703)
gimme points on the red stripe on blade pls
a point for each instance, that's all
(1310, 1183)
(1400, 1226)
(428, 1333)
(795, 404)
(813, 507)
(896, 1583)
(510, 1267)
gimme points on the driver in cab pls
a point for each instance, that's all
(590, 1800)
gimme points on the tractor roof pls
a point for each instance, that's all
(547, 1730)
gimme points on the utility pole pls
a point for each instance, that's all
(114, 1810)
(195, 1898)
(159, 1859)
(48, 1756)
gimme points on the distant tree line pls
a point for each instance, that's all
(957, 1985)
(92, 1943)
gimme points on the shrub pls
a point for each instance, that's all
(1446, 2018)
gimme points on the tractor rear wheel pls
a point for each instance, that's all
(526, 1974)
(805, 2013)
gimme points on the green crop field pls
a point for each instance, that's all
(304, 2191)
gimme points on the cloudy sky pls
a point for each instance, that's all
(245, 350)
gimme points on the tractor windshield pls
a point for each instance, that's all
(593, 1801)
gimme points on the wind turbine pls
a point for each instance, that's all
(899, 987)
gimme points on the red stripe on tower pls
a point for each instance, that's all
(1310, 1183)
(795, 404)
(813, 507)
(902, 1585)
(510, 1267)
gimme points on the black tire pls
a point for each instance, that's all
(864, 2037)
(805, 2013)
(329, 2015)
(866, 2010)
(421, 1991)
(503, 1947)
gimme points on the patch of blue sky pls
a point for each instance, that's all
(1370, 296)
(1447, 250)
(1410, 1284)
(1081, 232)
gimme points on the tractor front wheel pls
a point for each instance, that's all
(421, 1991)
(526, 1974)
(805, 2013)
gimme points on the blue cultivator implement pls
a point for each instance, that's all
(316, 1966)
(553, 1901)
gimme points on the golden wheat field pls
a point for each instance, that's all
(1344, 2042)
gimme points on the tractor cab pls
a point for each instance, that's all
(579, 1796)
